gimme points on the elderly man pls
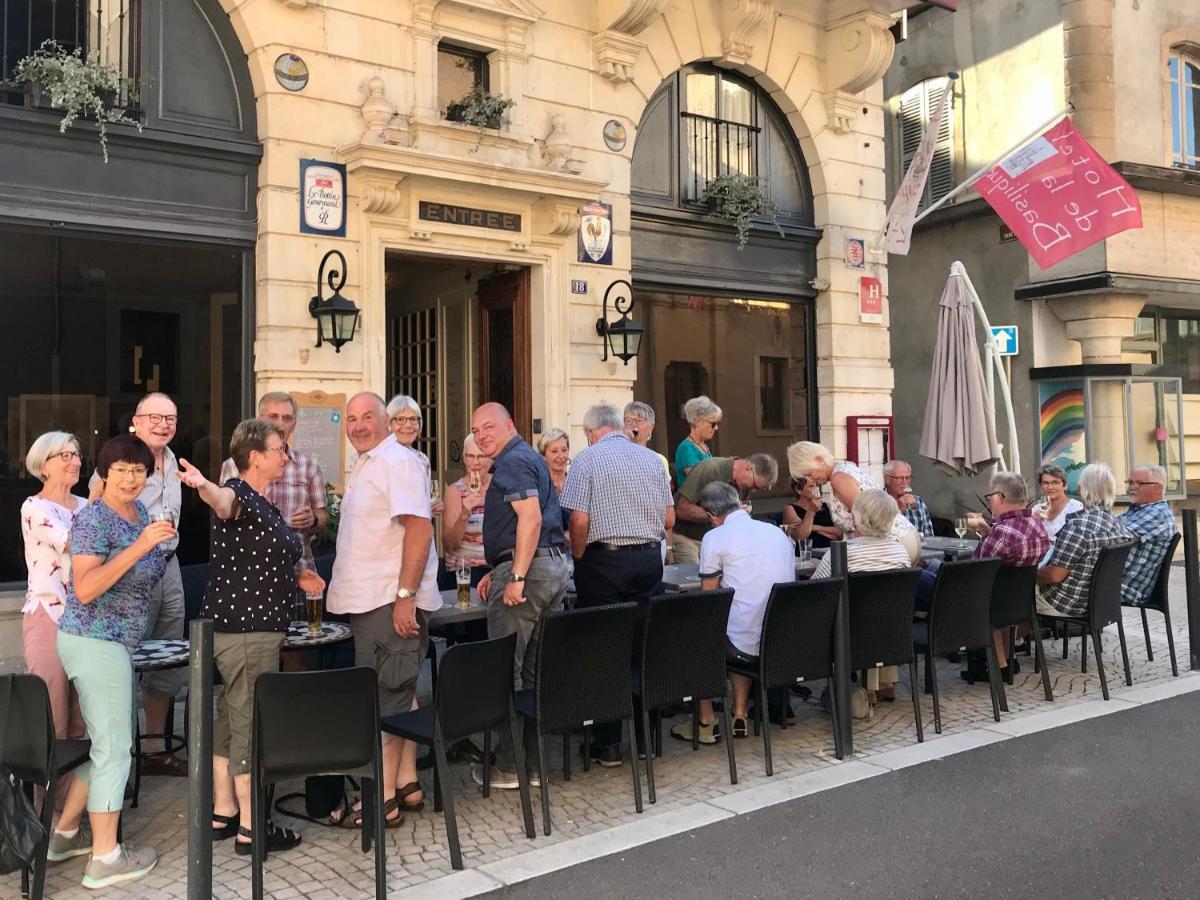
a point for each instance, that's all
(750, 557)
(754, 473)
(299, 493)
(620, 503)
(897, 481)
(1151, 523)
(385, 578)
(524, 544)
(1064, 581)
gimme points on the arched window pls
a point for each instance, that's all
(917, 107)
(1183, 72)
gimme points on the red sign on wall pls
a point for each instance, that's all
(870, 299)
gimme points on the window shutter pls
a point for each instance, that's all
(916, 109)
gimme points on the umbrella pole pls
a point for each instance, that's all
(1014, 452)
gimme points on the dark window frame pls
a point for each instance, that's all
(483, 76)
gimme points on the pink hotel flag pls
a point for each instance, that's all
(1059, 196)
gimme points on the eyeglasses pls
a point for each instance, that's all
(1048, 482)
(281, 450)
(68, 455)
(636, 420)
(474, 457)
(120, 472)
(1135, 483)
(157, 418)
(275, 417)
(988, 497)
(899, 477)
(406, 420)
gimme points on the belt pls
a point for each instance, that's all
(616, 548)
(506, 555)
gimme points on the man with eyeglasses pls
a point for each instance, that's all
(897, 481)
(756, 472)
(1151, 523)
(299, 493)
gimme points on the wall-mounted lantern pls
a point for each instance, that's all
(623, 336)
(337, 317)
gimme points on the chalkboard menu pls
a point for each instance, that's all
(320, 431)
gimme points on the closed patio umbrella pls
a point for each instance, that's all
(959, 433)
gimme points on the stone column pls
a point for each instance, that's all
(1088, 59)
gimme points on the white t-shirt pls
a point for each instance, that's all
(751, 557)
(387, 482)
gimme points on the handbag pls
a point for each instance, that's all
(21, 828)
(323, 795)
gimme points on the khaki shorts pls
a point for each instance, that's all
(240, 658)
(396, 660)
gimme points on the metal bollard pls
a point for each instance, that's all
(1191, 572)
(200, 748)
(841, 647)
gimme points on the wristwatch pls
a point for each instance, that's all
(405, 594)
(514, 578)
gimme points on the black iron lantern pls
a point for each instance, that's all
(623, 336)
(336, 317)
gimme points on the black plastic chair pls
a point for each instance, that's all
(584, 675)
(35, 757)
(683, 661)
(1159, 601)
(1013, 604)
(796, 646)
(286, 745)
(959, 621)
(1104, 608)
(881, 626)
(475, 693)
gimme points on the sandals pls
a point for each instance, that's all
(229, 826)
(403, 793)
(278, 840)
(348, 817)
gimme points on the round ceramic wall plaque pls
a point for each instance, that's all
(614, 135)
(291, 72)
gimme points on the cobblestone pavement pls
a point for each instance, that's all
(329, 864)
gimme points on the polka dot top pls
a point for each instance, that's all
(252, 566)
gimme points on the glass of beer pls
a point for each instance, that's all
(462, 577)
(314, 604)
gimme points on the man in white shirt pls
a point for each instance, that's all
(385, 577)
(751, 558)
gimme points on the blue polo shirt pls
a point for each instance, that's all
(518, 473)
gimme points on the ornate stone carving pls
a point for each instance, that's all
(637, 15)
(381, 196)
(557, 217)
(841, 109)
(739, 20)
(615, 55)
(377, 112)
(859, 50)
(558, 143)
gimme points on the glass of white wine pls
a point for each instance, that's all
(960, 528)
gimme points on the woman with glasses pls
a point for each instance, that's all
(117, 560)
(639, 428)
(704, 418)
(1056, 505)
(462, 529)
(404, 419)
(46, 519)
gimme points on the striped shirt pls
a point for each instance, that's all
(867, 554)
(623, 489)
(1077, 549)
(1017, 538)
(1153, 524)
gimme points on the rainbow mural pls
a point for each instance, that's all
(1061, 422)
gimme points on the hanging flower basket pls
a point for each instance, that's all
(480, 108)
(739, 200)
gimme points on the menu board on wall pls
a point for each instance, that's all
(319, 432)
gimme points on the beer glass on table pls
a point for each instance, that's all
(462, 578)
(314, 604)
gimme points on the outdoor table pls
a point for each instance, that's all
(952, 547)
(686, 576)
(157, 654)
(452, 614)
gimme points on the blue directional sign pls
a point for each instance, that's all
(1005, 339)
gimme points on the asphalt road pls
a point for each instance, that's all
(1109, 807)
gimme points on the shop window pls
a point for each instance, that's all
(1168, 338)
(772, 393)
(1183, 74)
(460, 70)
(917, 107)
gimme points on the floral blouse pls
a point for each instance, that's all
(46, 532)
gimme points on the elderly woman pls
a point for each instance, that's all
(462, 528)
(555, 447)
(704, 418)
(813, 466)
(250, 594)
(639, 428)
(1052, 482)
(1065, 578)
(117, 560)
(404, 419)
(799, 525)
(46, 519)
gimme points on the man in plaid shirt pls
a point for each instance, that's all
(1016, 537)
(1065, 579)
(897, 480)
(1152, 524)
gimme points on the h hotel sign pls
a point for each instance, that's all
(449, 214)
(870, 299)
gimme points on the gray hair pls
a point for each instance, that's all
(701, 408)
(765, 467)
(1058, 473)
(874, 513)
(1011, 485)
(1157, 473)
(401, 402)
(804, 456)
(602, 415)
(47, 445)
(638, 408)
(250, 435)
(549, 436)
(154, 395)
(889, 468)
(1097, 485)
(278, 397)
(719, 499)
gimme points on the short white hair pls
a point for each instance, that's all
(549, 436)
(602, 415)
(638, 408)
(1011, 485)
(804, 456)
(701, 408)
(1097, 485)
(401, 402)
(874, 513)
(1157, 473)
(278, 397)
(890, 467)
(47, 445)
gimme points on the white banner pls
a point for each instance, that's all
(897, 228)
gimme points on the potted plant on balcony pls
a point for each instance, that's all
(78, 87)
(480, 108)
(739, 199)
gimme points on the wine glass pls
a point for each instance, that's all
(435, 490)
(474, 482)
(163, 516)
(960, 528)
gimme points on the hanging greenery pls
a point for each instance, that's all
(480, 108)
(739, 199)
(79, 87)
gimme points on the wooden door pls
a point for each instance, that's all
(504, 346)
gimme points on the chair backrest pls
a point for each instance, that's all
(1104, 591)
(584, 665)
(1160, 595)
(960, 612)
(797, 632)
(195, 583)
(475, 686)
(29, 728)
(683, 646)
(881, 615)
(309, 723)
(1012, 595)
